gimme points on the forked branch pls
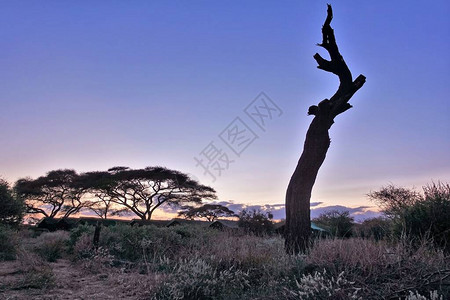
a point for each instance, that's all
(347, 87)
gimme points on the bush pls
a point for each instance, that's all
(77, 232)
(149, 243)
(322, 286)
(83, 247)
(434, 295)
(256, 222)
(418, 215)
(52, 245)
(37, 273)
(8, 243)
(431, 216)
(339, 223)
(374, 228)
(196, 279)
(136, 243)
(11, 207)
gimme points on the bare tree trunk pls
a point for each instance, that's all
(317, 142)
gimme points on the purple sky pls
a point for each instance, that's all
(93, 84)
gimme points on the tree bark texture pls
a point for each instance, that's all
(317, 142)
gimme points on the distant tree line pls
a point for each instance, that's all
(119, 190)
(139, 192)
(210, 212)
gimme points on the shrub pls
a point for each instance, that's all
(147, 243)
(8, 243)
(11, 206)
(77, 232)
(256, 222)
(434, 295)
(322, 286)
(83, 247)
(339, 223)
(418, 215)
(431, 216)
(52, 245)
(374, 228)
(196, 279)
(133, 243)
(37, 273)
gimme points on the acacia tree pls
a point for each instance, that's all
(209, 211)
(317, 142)
(142, 191)
(58, 193)
(395, 200)
(97, 183)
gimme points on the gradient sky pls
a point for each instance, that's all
(93, 84)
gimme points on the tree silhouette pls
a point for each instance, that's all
(142, 191)
(97, 184)
(209, 211)
(58, 193)
(11, 206)
(317, 142)
(339, 223)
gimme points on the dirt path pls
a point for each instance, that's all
(72, 282)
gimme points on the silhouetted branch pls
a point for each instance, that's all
(338, 103)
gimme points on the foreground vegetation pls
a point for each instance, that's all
(197, 263)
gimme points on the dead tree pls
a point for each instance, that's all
(317, 142)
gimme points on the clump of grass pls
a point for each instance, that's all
(36, 273)
(83, 246)
(382, 269)
(433, 295)
(52, 245)
(99, 261)
(91, 259)
(197, 279)
(263, 258)
(321, 285)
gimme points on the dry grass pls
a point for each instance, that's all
(382, 269)
(192, 263)
(51, 245)
(35, 272)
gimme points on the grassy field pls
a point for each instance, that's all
(196, 263)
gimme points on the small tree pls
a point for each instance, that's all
(142, 191)
(211, 212)
(58, 193)
(339, 223)
(11, 206)
(256, 221)
(394, 200)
